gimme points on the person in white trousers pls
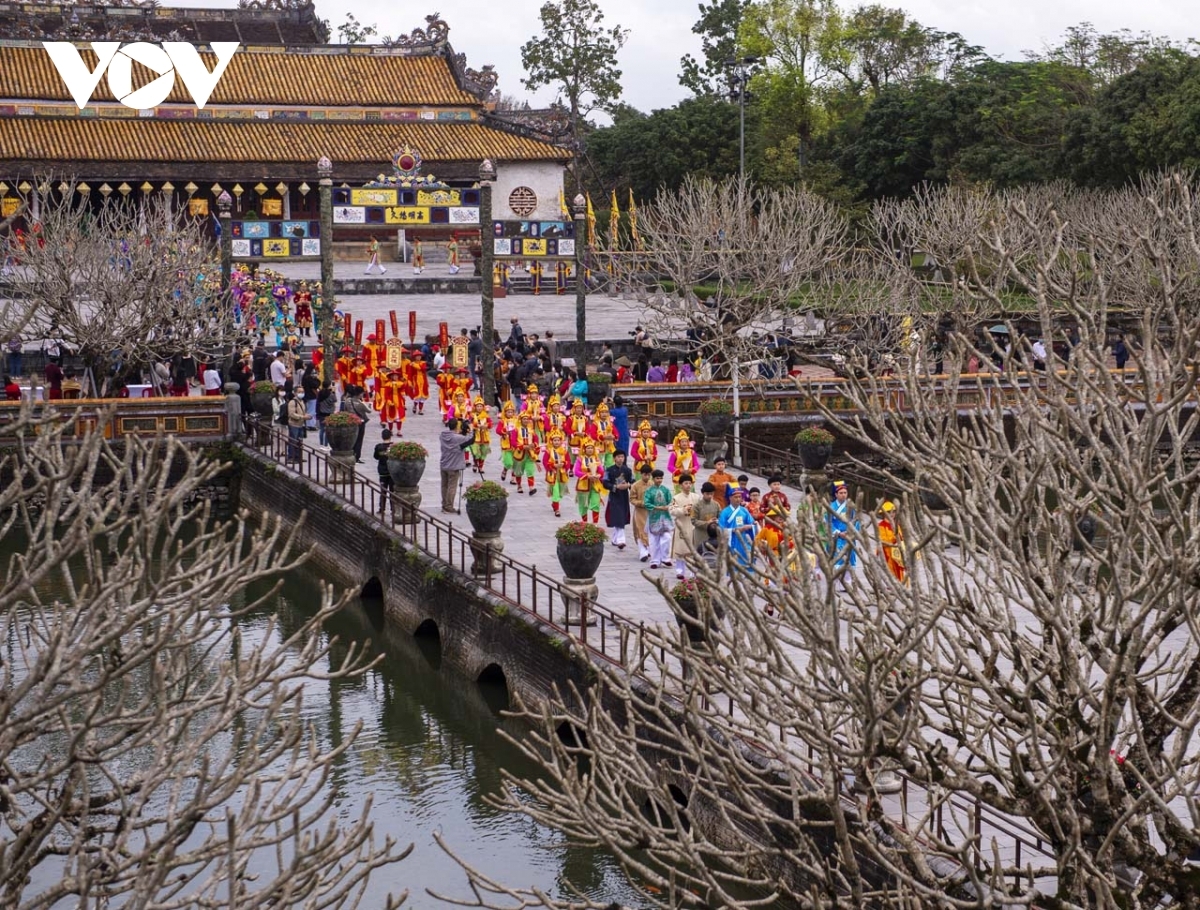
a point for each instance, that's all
(659, 523)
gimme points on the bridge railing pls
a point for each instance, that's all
(606, 634)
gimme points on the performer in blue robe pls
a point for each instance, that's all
(841, 518)
(737, 520)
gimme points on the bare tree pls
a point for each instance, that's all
(1026, 678)
(153, 753)
(121, 282)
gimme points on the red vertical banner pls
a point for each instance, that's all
(346, 329)
(444, 336)
(380, 337)
(358, 333)
(395, 324)
(412, 326)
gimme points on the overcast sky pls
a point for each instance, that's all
(488, 31)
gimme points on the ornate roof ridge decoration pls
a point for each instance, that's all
(406, 173)
(81, 32)
(551, 124)
(144, 4)
(434, 35)
(280, 5)
(480, 83)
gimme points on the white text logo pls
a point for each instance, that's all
(171, 58)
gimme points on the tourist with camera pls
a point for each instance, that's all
(454, 439)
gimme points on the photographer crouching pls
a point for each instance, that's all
(454, 439)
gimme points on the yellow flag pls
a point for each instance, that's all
(591, 219)
(614, 223)
(633, 231)
(562, 206)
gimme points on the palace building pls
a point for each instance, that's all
(286, 99)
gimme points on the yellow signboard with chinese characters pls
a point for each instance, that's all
(372, 197)
(407, 214)
(531, 247)
(439, 197)
(276, 246)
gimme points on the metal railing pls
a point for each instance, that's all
(605, 634)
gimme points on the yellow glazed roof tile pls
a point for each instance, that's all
(362, 80)
(149, 140)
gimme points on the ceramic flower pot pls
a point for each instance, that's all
(341, 439)
(487, 515)
(580, 560)
(261, 404)
(814, 456)
(406, 473)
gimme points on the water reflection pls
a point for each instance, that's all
(428, 755)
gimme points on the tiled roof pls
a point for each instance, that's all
(76, 140)
(254, 77)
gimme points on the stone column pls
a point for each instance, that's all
(575, 590)
(485, 547)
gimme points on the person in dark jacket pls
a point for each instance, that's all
(260, 362)
(617, 481)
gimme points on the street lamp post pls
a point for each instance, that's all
(580, 205)
(487, 302)
(225, 210)
(325, 310)
(739, 77)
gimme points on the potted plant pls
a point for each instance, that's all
(262, 393)
(716, 416)
(815, 445)
(599, 386)
(406, 463)
(580, 548)
(689, 597)
(487, 504)
(341, 429)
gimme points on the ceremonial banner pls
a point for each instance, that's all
(380, 333)
(412, 326)
(395, 324)
(444, 335)
(346, 327)
(458, 351)
(395, 354)
(358, 333)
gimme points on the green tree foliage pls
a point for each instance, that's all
(1144, 120)
(577, 54)
(647, 153)
(717, 27)
(354, 32)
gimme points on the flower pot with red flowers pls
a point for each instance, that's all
(815, 445)
(341, 429)
(693, 603)
(580, 549)
(406, 463)
(263, 393)
(487, 506)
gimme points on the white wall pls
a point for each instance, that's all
(545, 178)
